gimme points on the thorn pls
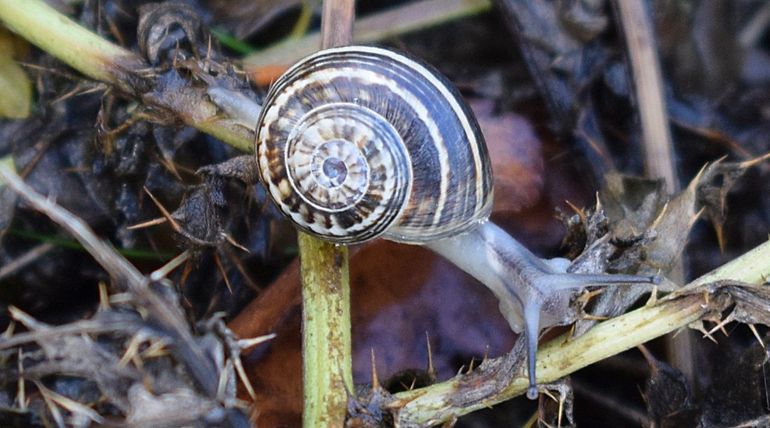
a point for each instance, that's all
(55, 413)
(660, 217)
(9, 330)
(242, 375)
(222, 272)
(25, 319)
(131, 351)
(188, 267)
(174, 225)
(208, 50)
(594, 317)
(756, 334)
(751, 162)
(431, 368)
(695, 181)
(587, 295)
(235, 244)
(171, 167)
(548, 393)
(148, 223)
(470, 366)
(375, 378)
(706, 334)
(104, 297)
(411, 385)
(164, 270)
(721, 325)
(579, 211)
(54, 400)
(651, 361)
(156, 349)
(245, 344)
(653, 297)
(695, 217)
(562, 399)
(223, 378)
(720, 237)
(235, 261)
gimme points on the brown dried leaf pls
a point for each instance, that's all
(516, 154)
(398, 294)
(718, 179)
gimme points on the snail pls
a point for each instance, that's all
(359, 142)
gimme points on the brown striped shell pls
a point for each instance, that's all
(358, 142)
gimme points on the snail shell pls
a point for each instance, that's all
(358, 142)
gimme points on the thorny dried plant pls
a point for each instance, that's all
(127, 349)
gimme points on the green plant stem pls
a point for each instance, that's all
(326, 348)
(57, 34)
(562, 356)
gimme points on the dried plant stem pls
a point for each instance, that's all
(102, 60)
(648, 83)
(399, 20)
(326, 348)
(157, 309)
(562, 356)
(657, 144)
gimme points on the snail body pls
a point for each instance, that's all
(359, 142)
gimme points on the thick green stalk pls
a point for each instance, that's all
(326, 350)
(326, 347)
(60, 36)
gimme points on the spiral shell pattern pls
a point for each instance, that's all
(358, 142)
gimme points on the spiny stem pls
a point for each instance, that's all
(563, 356)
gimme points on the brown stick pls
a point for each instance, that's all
(656, 139)
(642, 53)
